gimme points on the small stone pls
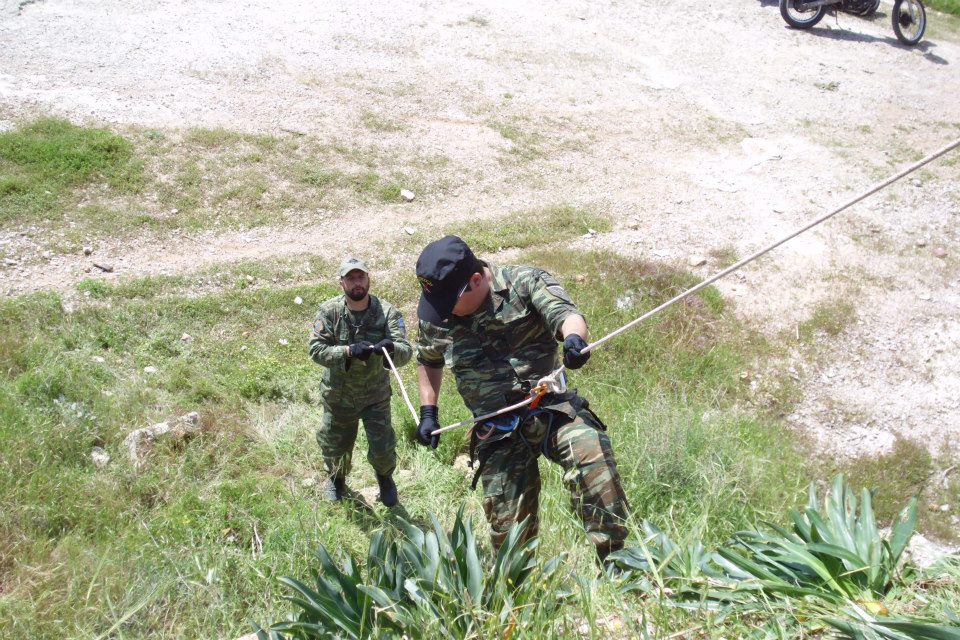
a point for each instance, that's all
(697, 261)
(939, 252)
(47, 254)
(307, 483)
(106, 268)
(925, 296)
(592, 232)
(87, 250)
(250, 279)
(174, 211)
(407, 195)
(922, 242)
(10, 262)
(916, 182)
(283, 342)
(298, 300)
(944, 508)
(99, 359)
(409, 231)
(243, 348)
(100, 457)
(186, 338)
(150, 369)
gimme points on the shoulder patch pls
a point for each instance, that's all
(403, 327)
(554, 287)
(318, 326)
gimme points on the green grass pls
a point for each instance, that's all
(89, 182)
(907, 470)
(44, 163)
(947, 6)
(830, 317)
(173, 550)
(524, 229)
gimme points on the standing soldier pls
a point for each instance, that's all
(498, 328)
(350, 334)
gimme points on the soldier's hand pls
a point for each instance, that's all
(429, 422)
(383, 345)
(361, 350)
(573, 356)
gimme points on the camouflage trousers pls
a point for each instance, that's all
(338, 433)
(511, 478)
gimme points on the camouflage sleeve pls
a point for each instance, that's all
(551, 300)
(397, 331)
(323, 348)
(432, 343)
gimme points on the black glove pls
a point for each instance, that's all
(383, 345)
(428, 424)
(361, 350)
(573, 358)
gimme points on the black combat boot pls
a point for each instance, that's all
(334, 489)
(388, 490)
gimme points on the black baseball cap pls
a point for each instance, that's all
(443, 271)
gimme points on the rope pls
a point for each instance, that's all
(403, 390)
(734, 267)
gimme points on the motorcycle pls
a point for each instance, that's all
(909, 17)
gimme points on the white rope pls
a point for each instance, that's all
(403, 390)
(734, 267)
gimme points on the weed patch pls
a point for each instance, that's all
(43, 163)
(532, 228)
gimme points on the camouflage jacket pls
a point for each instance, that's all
(499, 353)
(348, 381)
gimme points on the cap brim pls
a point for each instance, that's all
(435, 309)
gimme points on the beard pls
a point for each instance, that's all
(357, 294)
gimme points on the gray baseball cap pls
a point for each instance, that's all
(350, 264)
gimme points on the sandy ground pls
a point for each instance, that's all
(695, 126)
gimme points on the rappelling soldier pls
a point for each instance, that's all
(350, 335)
(498, 329)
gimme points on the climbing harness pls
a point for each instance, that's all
(403, 390)
(556, 382)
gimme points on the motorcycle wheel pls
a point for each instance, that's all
(909, 21)
(800, 19)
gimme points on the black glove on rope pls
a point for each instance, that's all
(383, 345)
(361, 350)
(429, 422)
(573, 346)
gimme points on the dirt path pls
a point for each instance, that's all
(696, 127)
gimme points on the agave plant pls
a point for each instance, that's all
(422, 583)
(836, 561)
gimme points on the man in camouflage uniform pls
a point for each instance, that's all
(350, 334)
(497, 328)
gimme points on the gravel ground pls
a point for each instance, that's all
(695, 127)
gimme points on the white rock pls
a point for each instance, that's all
(298, 300)
(283, 342)
(87, 250)
(99, 359)
(697, 261)
(186, 337)
(10, 262)
(139, 443)
(409, 230)
(243, 348)
(150, 369)
(100, 457)
(250, 278)
(306, 483)
(925, 553)
(407, 195)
